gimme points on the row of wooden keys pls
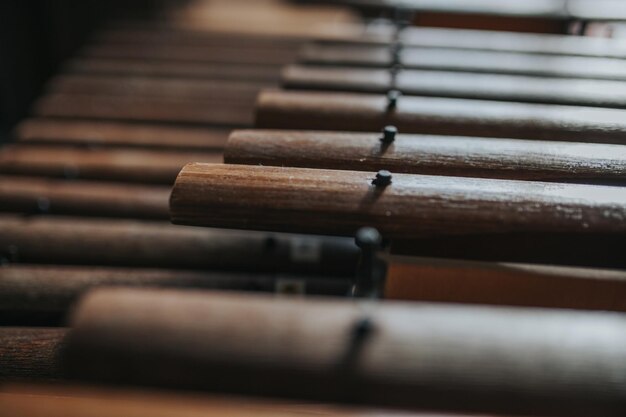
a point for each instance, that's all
(436, 219)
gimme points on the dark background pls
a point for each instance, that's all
(37, 35)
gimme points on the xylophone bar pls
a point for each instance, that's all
(491, 62)
(76, 401)
(220, 54)
(533, 43)
(505, 284)
(443, 116)
(409, 206)
(596, 93)
(112, 164)
(31, 353)
(36, 195)
(430, 155)
(158, 68)
(121, 85)
(36, 294)
(141, 109)
(80, 241)
(478, 359)
(126, 135)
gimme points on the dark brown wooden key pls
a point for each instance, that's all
(103, 134)
(478, 359)
(432, 155)
(436, 115)
(498, 62)
(108, 164)
(153, 244)
(600, 93)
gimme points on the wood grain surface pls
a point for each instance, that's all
(114, 164)
(159, 68)
(31, 353)
(36, 195)
(444, 116)
(85, 401)
(174, 88)
(479, 359)
(499, 62)
(432, 155)
(597, 93)
(112, 134)
(339, 202)
(191, 53)
(136, 34)
(82, 241)
(142, 109)
(436, 280)
(53, 289)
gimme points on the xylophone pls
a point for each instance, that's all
(332, 208)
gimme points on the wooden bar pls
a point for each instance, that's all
(443, 116)
(75, 401)
(127, 165)
(111, 134)
(31, 353)
(458, 358)
(35, 195)
(549, 9)
(412, 206)
(506, 284)
(133, 243)
(173, 88)
(137, 34)
(45, 291)
(596, 93)
(155, 68)
(431, 155)
(498, 62)
(191, 53)
(209, 112)
(511, 42)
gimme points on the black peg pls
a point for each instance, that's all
(389, 134)
(392, 99)
(362, 328)
(383, 178)
(371, 271)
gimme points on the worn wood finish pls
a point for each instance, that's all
(33, 195)
(30, 353)
(339, 202)
(444, 116)
(432, 155)
(597, 93)
(128, 165)
(46, 290)
(111, 134)
(434, 280)
(143, 68)
(173, 88)
(80, 241)
(478, 359)
(191, 53)
(209, 112)
(499, 62)
(75, 401)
